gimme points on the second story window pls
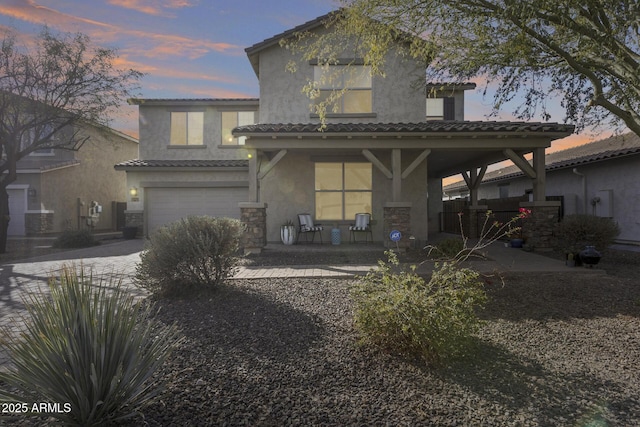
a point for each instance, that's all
(355, 78)
(440, 109)
(232, 119)
(187, 128)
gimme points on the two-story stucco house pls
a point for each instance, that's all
(55, 187)
(383, 150)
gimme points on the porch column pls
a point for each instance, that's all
(538, 227)
(397, 216)
(473, 217)
(396, 169)
(254, 217)
(539, 182)
(253, 175)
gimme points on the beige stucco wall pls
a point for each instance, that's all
(94, 178)
(395, 98)
(155, 132)
(288, 189)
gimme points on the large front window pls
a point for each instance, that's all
(342, 190)
(232, 119)
(330, 79)
(187, 128)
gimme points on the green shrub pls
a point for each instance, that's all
(195, 252)
(577, 231)
(432, 320)
(89, 345)
(448, 248)
(75, 239)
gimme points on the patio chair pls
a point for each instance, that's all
(362, 225)
(308, 227)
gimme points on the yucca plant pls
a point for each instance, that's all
(90, 345)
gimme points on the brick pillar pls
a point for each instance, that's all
(472, 219)
(538, 228)
(134, 219)
(254, 217)
(397, 216)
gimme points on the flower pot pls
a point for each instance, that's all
(589, 256)
(288, 234)
(516, 243)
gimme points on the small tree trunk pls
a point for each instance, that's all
(4, 218)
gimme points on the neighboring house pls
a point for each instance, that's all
(55, 187)
(599, 178)
(383, 150)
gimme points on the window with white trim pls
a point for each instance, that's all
(342, 190)
(232, 119)
(187, 128)
(355, 78)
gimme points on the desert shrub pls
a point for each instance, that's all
(447, 249)
(75, 239)
(577, 231)
(192, 253)
(431, 320)
(88, 345)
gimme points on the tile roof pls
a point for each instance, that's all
(286, 34)
(604, 149)
(434, 126)
(59, 165)
(137, 163)
(140, 101)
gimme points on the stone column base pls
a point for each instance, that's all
(254, 218)
(397, 216)
(38, 223)
(471, 220)
(134, 219)
(538, 228)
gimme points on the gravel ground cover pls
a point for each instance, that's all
(555, 350)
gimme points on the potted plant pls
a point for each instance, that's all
(570, 262)
(288, 233)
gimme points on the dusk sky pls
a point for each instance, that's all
(193, 48)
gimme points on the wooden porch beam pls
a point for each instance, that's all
(521, 162)
(415, 163)
(373, 159)
(267, 168)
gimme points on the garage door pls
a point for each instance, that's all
(165, 205)
(17, 206)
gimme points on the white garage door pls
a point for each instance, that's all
(17, 206)
(165, 205)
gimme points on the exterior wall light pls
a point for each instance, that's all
(133, 191)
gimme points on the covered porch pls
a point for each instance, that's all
(408, 162)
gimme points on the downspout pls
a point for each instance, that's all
(584, 189)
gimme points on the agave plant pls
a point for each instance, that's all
(90, 347)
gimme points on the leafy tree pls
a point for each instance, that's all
(49, 91)
(584, 51)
